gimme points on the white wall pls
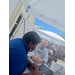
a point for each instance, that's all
(20, 32)
(17, 9)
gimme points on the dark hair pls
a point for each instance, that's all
(32, 37)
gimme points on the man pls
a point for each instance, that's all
(50, 56)
(40, 54)
(18, 50)
(53, 48)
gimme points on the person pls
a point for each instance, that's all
(50, 55)
(53, 48)
(18, 50)
(40, 54)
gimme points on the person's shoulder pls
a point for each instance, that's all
(18, 44)
(15, 40)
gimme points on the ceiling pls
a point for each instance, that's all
(51, 12)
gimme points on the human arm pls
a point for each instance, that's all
(31, 53)
(37, 59)
(51, 59)
(51, 55)
(32, 66)
(34, 58)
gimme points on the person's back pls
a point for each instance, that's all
(17, 50)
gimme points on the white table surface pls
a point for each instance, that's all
(54, 67)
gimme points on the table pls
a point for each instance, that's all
(54, 67)
(28, 70)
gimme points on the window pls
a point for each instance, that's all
(15, 26)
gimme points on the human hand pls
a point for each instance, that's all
(36, 72)
(33, 66)
(38, 57)
(39, 60)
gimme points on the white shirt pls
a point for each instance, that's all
(42, 53)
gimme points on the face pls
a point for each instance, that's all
(43, 44)
(31, 47)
